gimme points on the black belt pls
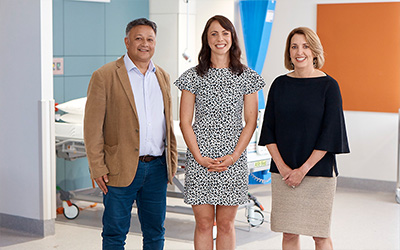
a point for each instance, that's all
(147, 158)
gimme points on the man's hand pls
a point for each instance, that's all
(101, 182)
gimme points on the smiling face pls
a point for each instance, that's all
(140, 44)
(300, 52)
(219, 39)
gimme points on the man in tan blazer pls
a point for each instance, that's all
(129, 138)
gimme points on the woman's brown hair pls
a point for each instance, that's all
(314, 43)
(234, 52)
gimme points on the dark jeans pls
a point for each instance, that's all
(149, 190)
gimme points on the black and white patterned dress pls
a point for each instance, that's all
(217, 126)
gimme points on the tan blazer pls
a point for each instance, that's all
(111, 125)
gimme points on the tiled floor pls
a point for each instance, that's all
(361, 220)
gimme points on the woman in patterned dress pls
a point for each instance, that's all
(218, 91)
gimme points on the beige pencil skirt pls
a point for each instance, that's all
(304, 210)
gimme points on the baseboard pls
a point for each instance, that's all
(366, 184)
(41, 228)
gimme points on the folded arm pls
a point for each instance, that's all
(250, 118)
(293, 177)
(186, 118)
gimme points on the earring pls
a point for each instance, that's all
(315, 62)
(291, 64)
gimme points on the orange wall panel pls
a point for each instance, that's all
(362, 46)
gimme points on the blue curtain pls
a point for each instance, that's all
(257, 17)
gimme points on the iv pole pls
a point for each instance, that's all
(184, 54)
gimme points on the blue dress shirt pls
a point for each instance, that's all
(150, 108)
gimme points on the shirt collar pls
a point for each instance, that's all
(130, 65)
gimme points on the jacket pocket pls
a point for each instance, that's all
(111, 159)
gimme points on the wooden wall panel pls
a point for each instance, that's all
(362, 45)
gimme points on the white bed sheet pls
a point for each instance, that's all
(69, 130)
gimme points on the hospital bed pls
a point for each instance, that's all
(70, 146)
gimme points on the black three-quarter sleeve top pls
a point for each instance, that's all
(303, 114)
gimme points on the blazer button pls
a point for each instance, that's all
(136, 149)
(137, 130)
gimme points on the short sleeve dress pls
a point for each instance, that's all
(302, 115)
(217, 126)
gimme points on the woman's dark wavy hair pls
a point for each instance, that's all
(234, 52)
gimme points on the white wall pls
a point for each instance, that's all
(372, 136)
(26, 170)
(172, 39)
(373, 145)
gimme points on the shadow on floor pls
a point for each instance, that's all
(179, 227)
(14, 237)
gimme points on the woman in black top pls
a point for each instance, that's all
(303, 130)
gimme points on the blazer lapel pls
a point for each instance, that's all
(161, 81)
(124, 78)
